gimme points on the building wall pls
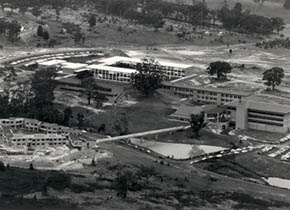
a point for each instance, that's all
(204, 96)
(112, 76)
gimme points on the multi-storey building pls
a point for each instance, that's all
(51, 134)
(37, 140)
(111, 73)
(12, 122)
(169, 69)
(200, 94)
(258, 115)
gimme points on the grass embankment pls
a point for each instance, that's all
(144, 115)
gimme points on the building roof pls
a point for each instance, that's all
(210, 89)
(262, 106)
(115, 59)
(73, 66)
(187, 110)
(51, 62)
(112, 69)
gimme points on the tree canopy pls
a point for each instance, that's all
(220, 68)
(273, 77)
(196, 123)
(148, 77)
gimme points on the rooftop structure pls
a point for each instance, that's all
(50, 63)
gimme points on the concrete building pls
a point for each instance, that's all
(211, 112)
(49, 134)
(209, 95)
(170, 70)
(50, 63)
(111, 73)
(70, 68)
(13, 122)
(253, 113)
(37, 140)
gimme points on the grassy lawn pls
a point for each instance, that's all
(147, 114)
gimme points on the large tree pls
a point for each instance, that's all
(90, 88)
(278, 24)
(43, 84)
(148, 77)
(220, 68)
(196, 123)
(124, 182)
(273, 77)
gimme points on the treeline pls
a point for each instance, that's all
(31, 99)
(244, 21)
(153, 12)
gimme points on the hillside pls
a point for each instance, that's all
(271, 8)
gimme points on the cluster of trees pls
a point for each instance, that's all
(237, 19)
(33, 99)
(10, 29)
(275, 43)
(152, 12)
(148, 77)
(129, 181)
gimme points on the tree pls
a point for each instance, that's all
(80, 118)
(45, 35)
(31, 166)
(40, 31)
(67, 113)
(273, 76)
(124, 182)
(278, 24)
(43, 84)
(93, 162)
(36, 12)
(220, 68)
(92, 21)
(146, 172)
(148, 77)
(287, 4)
(90, 86)
(196, 123)
(2, 166)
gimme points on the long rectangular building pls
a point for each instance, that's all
(111, 73)
(169, 69)
(209, 95)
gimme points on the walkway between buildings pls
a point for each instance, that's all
(147, 133)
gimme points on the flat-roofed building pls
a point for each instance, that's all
(12, 122)
(200, 94)
(254, 113)
(169, 69)
(32, 125)
(70, 68)
(112, 73)
(37, 140)
(50, 63)
(211, 113)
